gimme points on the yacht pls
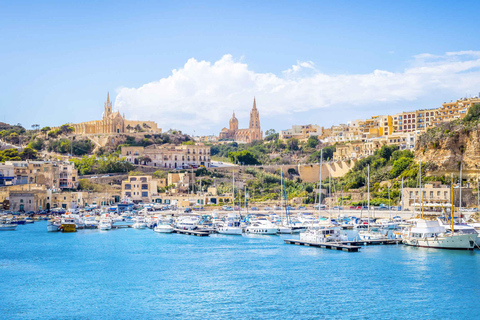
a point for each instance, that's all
(188, 222)
(231, 228)
(105, 224)
(140, 223)
(163, 228)
(372, 234)
(261, 226)
(321, 235)
(122, 222)
(431, 234)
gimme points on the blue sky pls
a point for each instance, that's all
(59, 59)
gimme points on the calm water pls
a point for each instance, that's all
(131, 274)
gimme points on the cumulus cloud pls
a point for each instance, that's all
(202, 95)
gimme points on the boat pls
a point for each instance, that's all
(140, 223)
(231, 228)
(163, 228)
(90, 222)
(7, 226)
(105, 224)
(54, 225)
(68, 225)
(261, 226)
(373, 234)
(430, 234)
(322, 235)
(122, 222)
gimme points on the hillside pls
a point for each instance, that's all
(452, 143)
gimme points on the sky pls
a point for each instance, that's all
(189, 65)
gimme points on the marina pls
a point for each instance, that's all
(244, 277)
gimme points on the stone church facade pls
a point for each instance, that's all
(114, 123)
(254, 131)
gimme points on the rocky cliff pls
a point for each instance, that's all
(450, 144)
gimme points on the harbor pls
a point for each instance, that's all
(175, 275)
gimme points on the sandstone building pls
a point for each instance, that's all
(254, 132)
(114, 123)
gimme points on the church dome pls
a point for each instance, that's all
(233, 124)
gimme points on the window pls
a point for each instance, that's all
(431, 194)
(21, 200)
(133, 179)
(145, 194)
(411, 194)
(128, 194)
(128, 186)
(144, 186)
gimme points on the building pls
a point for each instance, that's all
(76, 200)
(301, 132)
(454, 110)
(7, 175)
(139, 188)
(169, 156)
(114, 123)
(179, 180)
(25, 201)
(53, 175)
(434, 196)
(254, 132)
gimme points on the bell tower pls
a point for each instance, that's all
(108, 106)
(254, 117)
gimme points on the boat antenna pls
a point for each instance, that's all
(320, 181)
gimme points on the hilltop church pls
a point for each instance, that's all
(113, 123)
(253, 132)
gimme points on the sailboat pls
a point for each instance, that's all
(431, 234)
(371, 233)
(232, 225)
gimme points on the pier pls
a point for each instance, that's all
(371, 242)
(192, 232)
(325, 245)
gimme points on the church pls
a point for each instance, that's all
(113, 123)
(253, 132)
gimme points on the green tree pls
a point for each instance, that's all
(292, 144)
(244, 157)
(28, 154)
(312, 142)
(399, 166)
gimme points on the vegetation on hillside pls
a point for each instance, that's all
(94, 165)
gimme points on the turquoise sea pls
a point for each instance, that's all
(138, 274)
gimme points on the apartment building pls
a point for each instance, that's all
(7, 175)
(53, 175)
(169, 156)
(454, 110)
(301, 132)
(139, 188)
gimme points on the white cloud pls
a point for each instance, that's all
(201, 95)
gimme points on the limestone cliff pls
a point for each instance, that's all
(450, 144)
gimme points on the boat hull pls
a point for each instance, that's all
(458, 242)
(8, 227)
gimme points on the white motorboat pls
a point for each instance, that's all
(122, 222)
(230, 229)
(188, 222)
(53, 225)
(373, 234)
(163, 228)
(430, 234)
(7, 226)
(140, 223)
(90, 222)
(261, 226)
(322, 235)
(105, 224)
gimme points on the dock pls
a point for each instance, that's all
(192, 232)
(371, 242)
(326, 245)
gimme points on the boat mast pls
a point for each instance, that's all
(452, 205)
(368, 195)
(233, 189)
(281, 193)
(320, 186)
(330, 196)
(401, 203)
(461, 183)
(478, 194)
(389, 207)
(421, 190)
